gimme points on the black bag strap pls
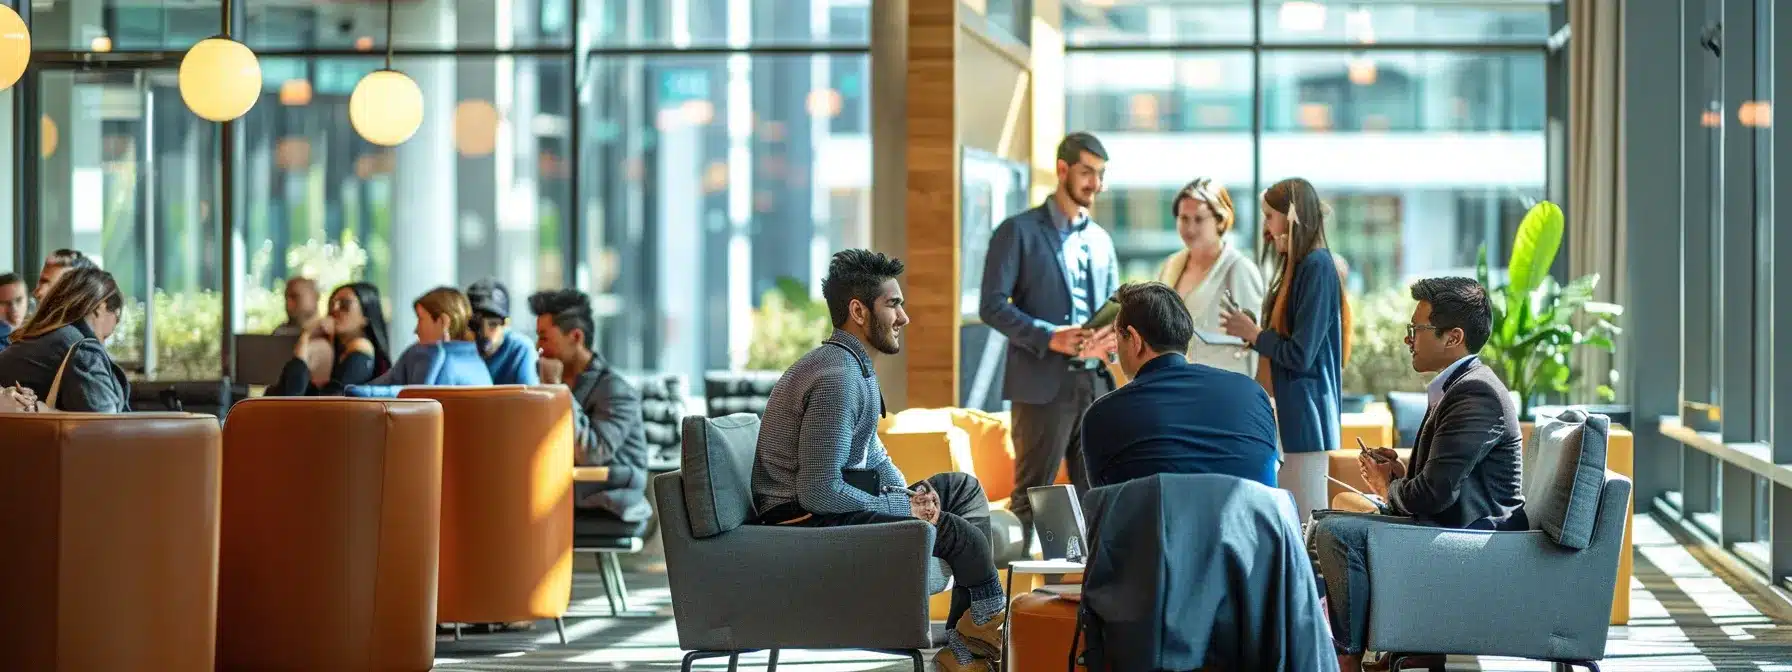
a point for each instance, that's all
(883, 408)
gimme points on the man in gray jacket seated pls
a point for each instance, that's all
(820, 463)
(1465, 465)
(607, 422)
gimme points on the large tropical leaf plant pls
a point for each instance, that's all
(1538, 323)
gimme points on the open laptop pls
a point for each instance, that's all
(260, 358)
(1058, 522)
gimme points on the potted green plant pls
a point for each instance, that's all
(1538, 323)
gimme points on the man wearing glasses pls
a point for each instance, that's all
(1464, 471)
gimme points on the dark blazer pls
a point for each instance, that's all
(1181, 418)
(1306, 367)
(92, 382)
(1466, 466)
(1196, 570)
(1026, 294)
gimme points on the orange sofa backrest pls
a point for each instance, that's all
(111, 530)
(330, 534)
(507, 454)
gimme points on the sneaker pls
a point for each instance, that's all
(984, 640)
(944, 661)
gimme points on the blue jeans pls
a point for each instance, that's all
(1340, 544)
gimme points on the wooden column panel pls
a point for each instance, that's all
(932, 283)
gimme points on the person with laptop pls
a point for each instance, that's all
(1465, 467)
(820, 463)
(1175, 416)
(509, 356)
(608, 430)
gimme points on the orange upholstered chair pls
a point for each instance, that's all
(330, 534)
(111, 536)
(506, 503)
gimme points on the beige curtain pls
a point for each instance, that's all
(1595, 167)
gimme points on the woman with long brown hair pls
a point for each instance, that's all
(446, 351)
(1210, 271)
(62, 346)
(1307, 340)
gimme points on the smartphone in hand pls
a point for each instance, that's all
(1373, 453)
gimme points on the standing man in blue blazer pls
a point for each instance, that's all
(1047, 271)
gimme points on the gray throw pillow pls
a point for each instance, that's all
(1565, 475)
(718, 472)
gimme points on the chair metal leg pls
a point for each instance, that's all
(615, 565)
(457, 632)
(772, 665)
(915, 656)
(603, 574)
(560, 627)
(733, 662)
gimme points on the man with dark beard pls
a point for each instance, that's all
(820, 463)
(1047, 272)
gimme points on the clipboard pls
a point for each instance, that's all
(1216, 338)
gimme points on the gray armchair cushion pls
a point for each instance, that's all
(718, 472)
(1566, 471)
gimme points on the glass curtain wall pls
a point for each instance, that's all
(1421, 124)
(682, 161)
(727, 157)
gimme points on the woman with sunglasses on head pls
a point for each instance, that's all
(1306, 340)
(355, 352)
(62, 345)
(1210, 271)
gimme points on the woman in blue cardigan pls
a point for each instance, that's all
(1307, 340)
(445, 352)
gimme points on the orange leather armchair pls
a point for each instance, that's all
(111, 528)
(507, 455)
(330, 534)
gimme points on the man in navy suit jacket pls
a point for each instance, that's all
(1047, 272)
(1175, 417)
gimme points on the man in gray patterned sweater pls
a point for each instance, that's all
(820, 463)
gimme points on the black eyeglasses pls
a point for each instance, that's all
(1413, 329)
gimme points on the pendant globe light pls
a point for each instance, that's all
(15, 47)
(220, 78)
(386, 107)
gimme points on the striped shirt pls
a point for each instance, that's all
(822, 418)
(1073, 251)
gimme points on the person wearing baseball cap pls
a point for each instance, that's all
(510, 357)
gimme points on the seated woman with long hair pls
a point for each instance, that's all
(355, 353)
(446, 352)
(62, 346)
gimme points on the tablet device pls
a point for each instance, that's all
(1217, 338)
(1109, 312)
(260, 358)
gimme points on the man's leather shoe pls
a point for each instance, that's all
(984, 640)
(944, 661)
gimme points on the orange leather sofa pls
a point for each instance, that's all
(111, 524)
(506, 548)
(330, 534)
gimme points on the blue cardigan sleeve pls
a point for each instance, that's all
(413, 368)
(1314, 306)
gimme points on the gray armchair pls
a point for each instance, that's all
(738, 588)
(1544, 593)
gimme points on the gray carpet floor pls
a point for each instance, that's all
(1685, 618)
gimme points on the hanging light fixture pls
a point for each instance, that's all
(220, 78)
(15, 47)
(386, 107)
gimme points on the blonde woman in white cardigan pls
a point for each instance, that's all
(1208, 268)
